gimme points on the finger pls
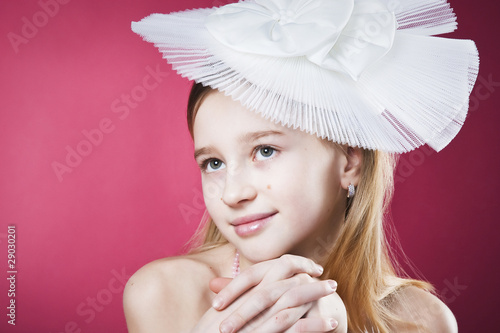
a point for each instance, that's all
(217, 284)
(280, 295)
(238, 286)
(305, 293)
(257, 302)
(302, 294)
(313, 325)
(288, 265)
(278, 269)
(282, 320)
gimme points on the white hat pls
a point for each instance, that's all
(366, 73)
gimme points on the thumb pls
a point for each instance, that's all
(217, 284)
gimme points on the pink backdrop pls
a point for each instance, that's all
(98, 177)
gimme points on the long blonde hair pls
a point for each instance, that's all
(360, 259)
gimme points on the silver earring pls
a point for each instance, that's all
(351, 191)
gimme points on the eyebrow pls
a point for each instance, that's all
(249, 137)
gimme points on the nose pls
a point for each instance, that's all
(238, 187)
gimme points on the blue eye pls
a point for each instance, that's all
(264, 152)
(213, 165)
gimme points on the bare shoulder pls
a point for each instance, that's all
(169, 294)
(418, 306)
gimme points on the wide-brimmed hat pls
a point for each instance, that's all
(366, 73)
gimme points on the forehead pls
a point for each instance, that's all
(218, 111)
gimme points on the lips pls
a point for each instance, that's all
(251, 224)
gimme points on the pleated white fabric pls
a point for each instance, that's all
(375, 78)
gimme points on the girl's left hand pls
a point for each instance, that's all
(278, 294)
(330, 306)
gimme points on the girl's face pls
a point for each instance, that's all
(270, 190)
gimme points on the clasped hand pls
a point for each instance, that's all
(280, 295)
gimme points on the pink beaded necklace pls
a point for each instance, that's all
(236, 264)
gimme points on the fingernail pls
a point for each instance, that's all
(227, 327)
(217, 302)
(319, 268)
(333, 284)
(334, 324)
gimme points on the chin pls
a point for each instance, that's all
(260, 252)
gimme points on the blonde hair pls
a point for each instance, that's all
(360, 260)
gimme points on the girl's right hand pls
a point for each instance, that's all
(271, 296)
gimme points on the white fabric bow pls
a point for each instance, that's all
(345, 36)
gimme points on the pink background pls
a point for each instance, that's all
(80, 235)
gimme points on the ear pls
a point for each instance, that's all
(352, 169)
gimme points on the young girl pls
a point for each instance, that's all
(294, 123)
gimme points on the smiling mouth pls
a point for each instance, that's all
(251, 224)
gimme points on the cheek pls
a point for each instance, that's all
(309, 190)
(212, 193)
